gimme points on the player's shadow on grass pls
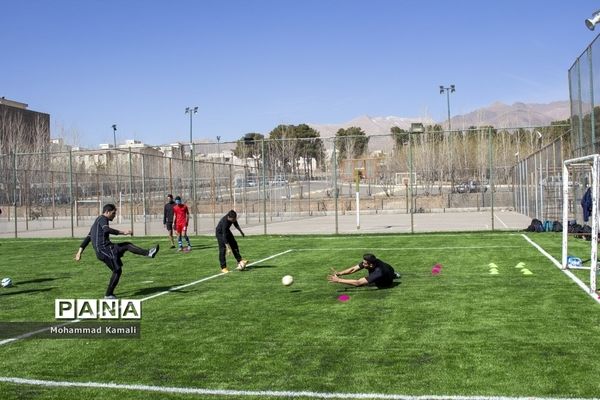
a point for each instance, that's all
(250, 267)
(13, 293)
(37, 280)
(205, 246)
(158, 289)
(363, 288)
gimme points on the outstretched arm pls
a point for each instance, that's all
(107, 229)
(352, 282)
(334, 277)
(82, 246)
(347, 271)
(237, 226)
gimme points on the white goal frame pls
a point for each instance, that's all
(593, 163)
(403, 178)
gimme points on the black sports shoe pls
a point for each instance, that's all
(153, 251)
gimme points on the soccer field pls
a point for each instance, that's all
(500, 320)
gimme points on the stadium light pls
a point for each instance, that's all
(115, 135)
(591, 22)
(219, 146)
(191, 111)
(448, 90)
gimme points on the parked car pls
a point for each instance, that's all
(470, 186)
(250, 182)
(278, 180)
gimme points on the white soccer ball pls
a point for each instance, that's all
(6, 282)
(287, 280)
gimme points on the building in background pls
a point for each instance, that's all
(22, 130)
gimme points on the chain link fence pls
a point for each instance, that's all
(294, 179)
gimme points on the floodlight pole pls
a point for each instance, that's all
(114, 127)
(192, 111)
(448, 90)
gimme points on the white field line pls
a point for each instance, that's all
(28, 334)
(264, 393)
(558, 265)
(173, 289)
(413, 248)
(478, 234)
(498, 218)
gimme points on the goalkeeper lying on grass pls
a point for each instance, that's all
(380, 274)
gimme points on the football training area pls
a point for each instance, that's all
(499, 320)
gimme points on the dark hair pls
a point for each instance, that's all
(232, 214)
(178, 198)
(170, 196)
(370, 258)
(108, 207)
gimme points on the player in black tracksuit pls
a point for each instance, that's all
(106, 251)
(168, 218)
(381, 274)
(226, 240)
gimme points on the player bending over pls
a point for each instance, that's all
(227, 242)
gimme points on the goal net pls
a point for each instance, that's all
(575, 171)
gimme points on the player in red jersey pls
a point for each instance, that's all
(181, 219)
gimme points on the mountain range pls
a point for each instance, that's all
(498, 115)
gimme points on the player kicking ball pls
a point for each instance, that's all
(227, 242)
(110, 253)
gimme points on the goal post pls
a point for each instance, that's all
(404, 178)
(588, 165)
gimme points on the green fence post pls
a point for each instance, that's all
(335, 186)
(264, 186)
(491, 167)
(144, 195)
(15, 189)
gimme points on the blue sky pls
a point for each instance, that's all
(251, 65)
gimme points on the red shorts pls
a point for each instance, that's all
(181, 228)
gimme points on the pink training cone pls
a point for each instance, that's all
(343, 297)
(437, 268)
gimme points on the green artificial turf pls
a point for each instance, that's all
(463, 332)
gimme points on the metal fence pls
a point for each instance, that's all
(538, 183)
(270, 181)
(584, 94)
